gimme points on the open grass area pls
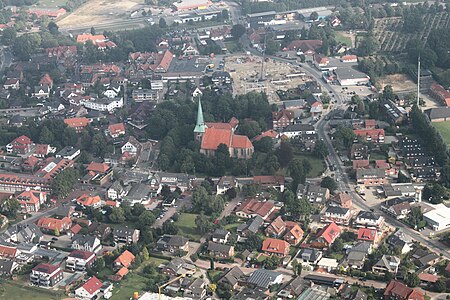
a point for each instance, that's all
(374, 155)
(318, 165)
(343, 39)
(13, 290)
(52, 3)
(444, 130)
(231, 227)
(132, 283)
(233, 46)
(186, 226)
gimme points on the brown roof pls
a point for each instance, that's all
(428, 277)
(342, 198)
(253, 206)
(305, 45)
(294, 229)
(275, 246)
(277, 115)
(360, 163)
(77, 122)
(278, 225)
(213, 137)
(97, 167)
(399, 291)
(6, 251)
(118, 128)
(125, 259)
(122, 272)
(267, 180)
(53, 224)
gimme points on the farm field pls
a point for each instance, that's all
(389, 33)
(96, 12)
(444, 130)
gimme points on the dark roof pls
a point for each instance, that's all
(299, 127)
(233, 276)
(367, 215)
(438, 112)
(221, 248)
(220, 233)
(337, 210)
(251, 225)
(84, 239)
(262, 278)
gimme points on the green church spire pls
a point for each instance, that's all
(200, 126)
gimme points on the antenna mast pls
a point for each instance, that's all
(261, 78)
(418, 80)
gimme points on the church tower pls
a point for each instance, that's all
(200, 126)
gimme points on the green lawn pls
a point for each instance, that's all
(233, 46)
(132, 283)
(186, 226)
(343, 39)
(20, 290)
(52, 3)
(374, 155)
(232, 226)
(444, 130)
(318, 165)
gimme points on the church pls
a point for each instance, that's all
(211, 135)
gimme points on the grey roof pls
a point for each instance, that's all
(438, 112)
(220, 233)
(299, 127)
(398, 239)
(249, 294)
(362, 173)
(67, 151)
(367, 215)
(26, 233)
(294, 103)
(123, 231)
(217, 247)
(312, 254)
(363, 246)
(427, 259)
(389, 262)
(251, 225)
(313, 293)
(84, 240)
(356, 256)
(173, 240)
(263, 278)
(337, 210)
(233, 276)
(139, 191)
(350, 73)
(7, 266)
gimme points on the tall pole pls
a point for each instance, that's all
(418, 80)
(263, 58)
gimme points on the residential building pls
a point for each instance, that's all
(397, 207)
(281, 119)
(116, 191)
(172, 243)
(310, 256)
(46, 275)
(89, 201)
(178, 266)
(276, 182)
(54, 226)
(368, 219)
(250, 227)
(298, 130)
(275, 246)
(77, 123)
(88, 243)
(141, 95)
(195, 289)
(220, 250)
(9, 252)
(220, 236)
(41, 92)
(104, 104)
(234, 277)
(439, 93)
(371, 135)
(276, 228)
(336, 214)
(328, 234)
(79, 260)
(314, 193)
(68, 152)
(226, 183)
(400, 241)
(89, 289)
(359, 151)
(263, 279)
(342, 199)
(131, 147)
(31, 200)
(126, 235)
(371, 177)
(124, 260)
(396, 290)
(116, 130)
(8, 267)
(387, 263)
(367, 234)
(252, 208)
(294, 233)
(20, 145)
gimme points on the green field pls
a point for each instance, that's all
(20, 290)
(52, 3)
(444, 130)
(318, 165)
(186, 226)
(132, 283)
(343, 39)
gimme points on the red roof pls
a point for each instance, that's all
(122, 272)
(81, 254)
(92, 285)
(428, 277)
(399, 291)
(6, 251)
(329, 233)
(118, 128)
(53, 224)
(269, 180)
(29, 196)
(367, 234)
(75, 228)
(213, 137)
(294, 229)
(86, 200)
(46, 268)
(370, 123)
(305, 45)
(349, 57)
(97, 167)
(23, 140)
(253, 206)
(46, 79)
(125, 259)
(382, 164)
(83, 38)
(277, 115)
(373, 133)
(269, 133)
(441, 92)
(275, 246)
(241, 142)
(77, 122)
(360, 164)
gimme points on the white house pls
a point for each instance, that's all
(131, 146)
(438, 218)
(79, 260)
(105, 104)
(296, 130)
(89, 289)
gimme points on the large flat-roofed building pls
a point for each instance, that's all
(191, 4)
(350, 76)
(439, 218)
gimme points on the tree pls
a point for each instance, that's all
(321, 149)
(162, 23)
(313, 16)
(285, 153)
(146, 219)
(9, 35)
(53, 28)
(199, 198)
(117, 215)
(329, 183)
(272, 262)
(368, 46)
(412, 280)
(237, 31)
(337, 246)
(264, 145)
(203, 223)
(10, 207)
(434, 193)
(93, 32)
(64, 182)
(297, 172)
(252, 243)
(145, 254)
(440, 286)
(169, 228)
(211, 264)
(415, 216)
(272, 47)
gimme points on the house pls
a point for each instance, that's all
(328, 234)
(294, 233)
(22, 233)
(342, 199)
(103, 104)
(358, 254)
(101, 231)
(172, 243)
(195, 289)
(112, 91)
(276, 228)
(79, 260)
(20, 145)
(367, 234)
(370, 135)
(220, 236)
(276, 182)
(124, 260)
(178, 266)
(281, 119)
(68, 152)
(360, 164)
(89, 289)
(220, 250)
(368, 219)
(234, 277)
(11, 84)
(126, 235)
(41, 92)
(252, 208)
(54, 226)
(424, 258)
(400, 241)
(310, 256)
(116, 130)
(86, 243)
(221, 77)
(275, 246)
(9, 252)
(321, 61)
(89, 201)
(7, 267)
(314, 193)
(31, 200)
(349, 59)
(439, 93)
(359, 151)
(46, 275)
(226, 183)
(371, 177)
(116, 191)
(397, 207)
(387, 263)
(336, 214)
(250, 227)
(399, 291)
(327, 264)
(298, 130)
(77, 123)
(293, 289)
(131, 146)
(263, 279)
(272, 134)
